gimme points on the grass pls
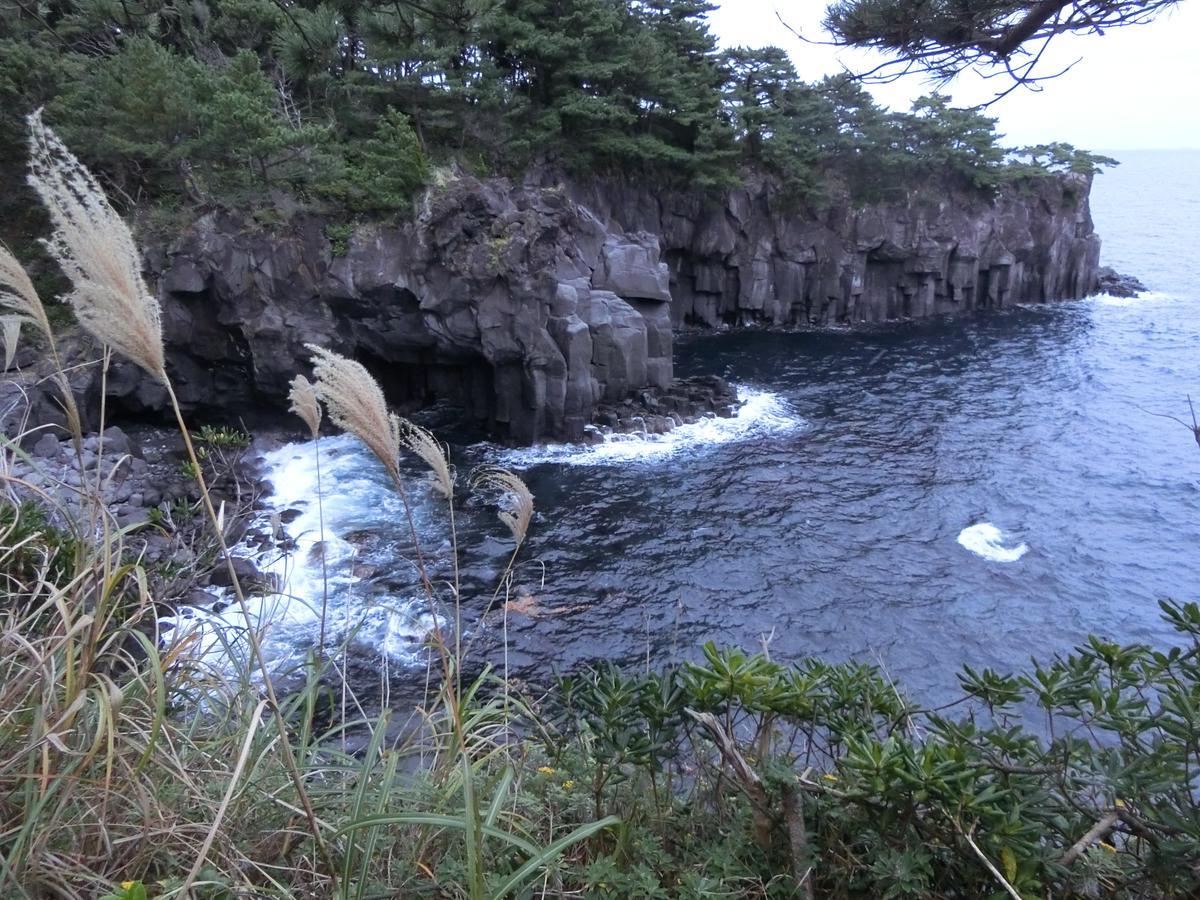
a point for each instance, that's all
(124, 753)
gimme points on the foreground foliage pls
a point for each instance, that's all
(829, 772)
(126, 758)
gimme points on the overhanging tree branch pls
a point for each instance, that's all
(1004, 37)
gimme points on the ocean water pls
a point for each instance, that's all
(975, 490)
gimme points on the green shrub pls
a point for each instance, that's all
(32, 548)
(339, 238)
(386, 170)
(903, 801)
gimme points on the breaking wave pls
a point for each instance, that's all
(760, 414)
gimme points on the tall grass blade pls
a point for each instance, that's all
(438, 820)
(255, 720)
(373, 834)
(551, 853)
(471, 830)
(357, 803)
(506, 780)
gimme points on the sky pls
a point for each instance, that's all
(1133, 88)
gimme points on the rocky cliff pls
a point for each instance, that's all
(534, 304)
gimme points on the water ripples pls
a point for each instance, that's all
(970, 490)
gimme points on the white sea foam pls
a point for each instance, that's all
(357, 498)
(760, 414)
(986, 540)
(1144, 297)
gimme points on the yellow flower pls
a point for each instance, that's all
(568, 784)
(545, 770)
(829, 777)
(1109, 847)
(127, 885)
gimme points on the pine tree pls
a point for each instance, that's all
(343, 103)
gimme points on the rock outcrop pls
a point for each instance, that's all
(757, 259)
(519, 304)
(535, 305)
(1111, 282)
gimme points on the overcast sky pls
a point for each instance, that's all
(1135, 87)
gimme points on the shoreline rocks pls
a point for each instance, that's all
(541, 308)
(138, 474)
(129, 482)
(1113, 283)
(533, 306)
(658, 412)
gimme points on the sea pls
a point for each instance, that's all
(985, 490)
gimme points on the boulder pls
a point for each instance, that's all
(619, 347)
(46, 447)
(632, 269)
(117, 443)
(1115, 284)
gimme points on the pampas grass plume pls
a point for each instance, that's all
(356, 404)
(516, 509)
(429, 450)
(12, 336)
(305, 403)
(18, 294)
(96, 250)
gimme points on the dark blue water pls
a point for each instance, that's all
(840, 538)
(847, 512)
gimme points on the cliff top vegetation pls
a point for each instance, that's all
(347, 105)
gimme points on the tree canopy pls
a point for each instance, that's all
(350, 103)
(943, 37)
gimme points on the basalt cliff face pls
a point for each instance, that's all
(536, 304)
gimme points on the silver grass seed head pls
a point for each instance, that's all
(17, 293)
(356, 404)
(96, 250)
(516, 500)
(305, 404)
(422, 444)
(12, 336)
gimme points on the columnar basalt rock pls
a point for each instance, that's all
(752, 256)
(517, 302)
(534, 304)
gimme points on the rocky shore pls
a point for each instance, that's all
(548, 308)
(140, 479)
(1113, 283)
(129, 480)
(544, 310)
(658, 412)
